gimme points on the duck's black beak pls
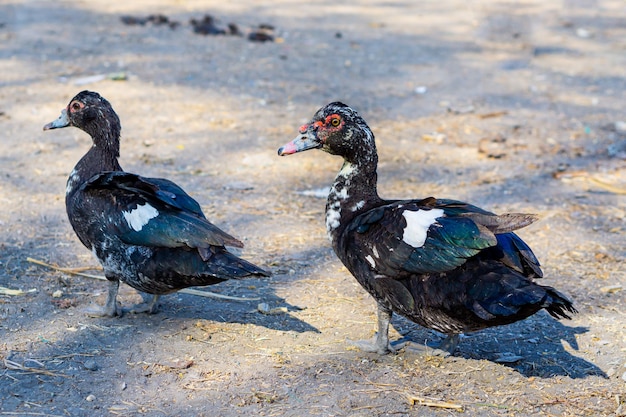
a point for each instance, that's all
(62, 121)
(303, 142)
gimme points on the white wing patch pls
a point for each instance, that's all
(140, 216)
(369, 259)
(417, 224)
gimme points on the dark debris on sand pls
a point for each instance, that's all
(208, 25)
(154, 19)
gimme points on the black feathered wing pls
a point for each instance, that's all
(388, 237)
(153, 212)
(470, 271)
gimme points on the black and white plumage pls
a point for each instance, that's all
(146, 232)
(444, 264)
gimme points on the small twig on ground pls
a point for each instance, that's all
(16, 366)
(9, 291)
(72, 271)
(143, 408)
(606, 186)
(615, 189)
(71, 355)
(209, 294)
(493, 114)
(500, 406)
(432, 403)
(191, 291)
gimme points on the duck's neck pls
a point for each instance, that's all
(352, 193)
(100, 158)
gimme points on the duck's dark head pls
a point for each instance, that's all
(92, 113)
(337, 129)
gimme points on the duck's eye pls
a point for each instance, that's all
(76, 105)
(334, 122)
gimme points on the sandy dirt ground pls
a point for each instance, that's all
(514, 106)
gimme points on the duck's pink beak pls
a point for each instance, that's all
(303, 142)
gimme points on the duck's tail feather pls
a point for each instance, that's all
(558, 305)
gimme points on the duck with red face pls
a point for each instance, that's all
(444, 264)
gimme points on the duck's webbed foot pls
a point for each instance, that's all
(149, 305)
(110, 308)
(446, 348)
(375, 345)
(380, 343)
